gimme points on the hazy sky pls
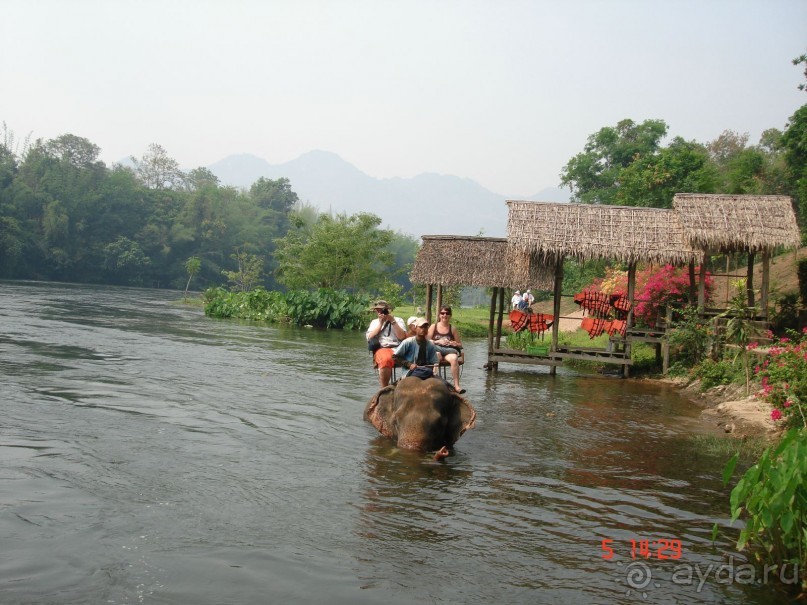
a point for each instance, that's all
(500, 91)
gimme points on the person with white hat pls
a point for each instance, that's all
(386, 331)
(516, 300)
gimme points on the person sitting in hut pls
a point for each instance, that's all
(384, 334)
(447, 341)
(517, 300)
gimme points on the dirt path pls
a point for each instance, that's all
(570, 325)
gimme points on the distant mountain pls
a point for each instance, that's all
(422, 205)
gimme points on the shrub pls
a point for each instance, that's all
(323, 308)
(783, 377)
(690, 337)
(714, 373)
(772, 497)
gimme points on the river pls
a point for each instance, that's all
(153, 455)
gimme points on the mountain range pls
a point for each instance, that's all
(426, 204)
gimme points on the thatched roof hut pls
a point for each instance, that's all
(587, 232)
(452, 260)
(731, 223)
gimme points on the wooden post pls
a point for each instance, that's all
(499, 321)
(629, 322)
(429, 288)
(665, 345)
(692, 293)
(749, 280)
(490, 326)
(439, 300)
(557, 290)
(702, 284)
(766, 277)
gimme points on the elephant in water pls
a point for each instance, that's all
(422, 414)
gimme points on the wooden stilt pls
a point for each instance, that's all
(692, 286)
(749, 279)
(490, 326)
(429, 291)
(766, 277)
(558, 288)
(629, 323)
(702, 283)
(665, 345)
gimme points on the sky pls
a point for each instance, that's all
(503, 92)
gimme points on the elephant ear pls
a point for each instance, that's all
(462, 420)
(380, 408)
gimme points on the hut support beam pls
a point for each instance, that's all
(766, 277)
(702, 283)
(429, 291)
(558, 287)
(439, 300)
(499, 319)
(749, 280)
(629, 324)
(492, 364)
(692, 287)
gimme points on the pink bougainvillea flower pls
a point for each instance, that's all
(788, 403)
(776, 414)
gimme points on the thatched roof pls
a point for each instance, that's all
(586, 232)
(729, 223)
(453, 260)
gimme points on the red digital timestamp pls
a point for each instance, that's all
(662, 548)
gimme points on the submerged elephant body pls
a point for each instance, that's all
(423, 414)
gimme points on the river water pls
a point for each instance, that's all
(153, 455)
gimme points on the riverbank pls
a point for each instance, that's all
(728, 408)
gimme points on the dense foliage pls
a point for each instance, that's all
(656, 289)
(628, 165)
(322, 308)
(66, 216)
(783, 379)
(772, 499)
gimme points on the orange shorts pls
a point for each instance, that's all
(383, 358)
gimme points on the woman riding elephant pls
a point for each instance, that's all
(423, 414)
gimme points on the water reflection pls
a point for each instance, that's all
(155, 455)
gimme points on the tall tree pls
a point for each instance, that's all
(340, 252)
(157, 170)
(594, 175)
(794, 142)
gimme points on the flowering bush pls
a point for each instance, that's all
(664, 286)
(783, 376)
(655, 288)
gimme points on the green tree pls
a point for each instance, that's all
(794, 143)
(338, 252)
(653, 179)
(157, 170)
(248, 274)
(594, 175)
(192, 266)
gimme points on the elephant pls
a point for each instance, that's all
(421, 414)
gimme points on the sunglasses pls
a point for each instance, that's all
(444, 313)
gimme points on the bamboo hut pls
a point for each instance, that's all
(554, 231)
(487, 262)
(733, 224)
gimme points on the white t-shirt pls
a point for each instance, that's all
(386, 337)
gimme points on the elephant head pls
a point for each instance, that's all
(423, 414)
